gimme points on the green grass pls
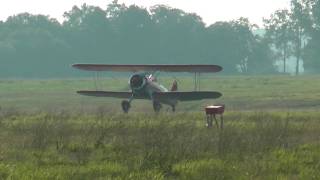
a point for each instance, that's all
(253, 145)
(284, 93)
(271, 131)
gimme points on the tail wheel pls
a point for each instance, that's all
(156, 106)
(125, 106)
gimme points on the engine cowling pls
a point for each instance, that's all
(137, 81)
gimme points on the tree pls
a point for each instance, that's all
(121, 34)
(135, 34)
(260, 61)
(220, 44)
(31, 40)
(179, 35)
(245, 41)
(234, 46)
(89, 32)
(114, 9)
(279, 34)
(311, 53)
(299, 22)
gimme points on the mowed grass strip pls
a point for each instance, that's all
(249, 93)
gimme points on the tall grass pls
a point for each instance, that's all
(253, 145)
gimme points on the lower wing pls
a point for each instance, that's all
(159, 96)
(114, 94)
(186, 96)
(124, 95)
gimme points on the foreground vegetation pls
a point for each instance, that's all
(253, 145)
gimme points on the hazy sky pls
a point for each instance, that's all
(209, 10)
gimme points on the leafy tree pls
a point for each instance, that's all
(135, 32)
(220, 45)
(244, 42)
(89, 32)
(279, 34)
(121, 34)
(29, 41)
(300, 20)
(178, 35)
(236, 48)
(114, 9)
(311, 54)
(260, 61)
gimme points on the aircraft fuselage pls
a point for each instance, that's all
(144, 85)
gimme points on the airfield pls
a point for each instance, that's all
(272, 131)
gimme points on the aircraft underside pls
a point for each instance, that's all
(126, 105)
(144, 94)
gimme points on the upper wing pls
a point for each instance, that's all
(186, 96)
(149, 68)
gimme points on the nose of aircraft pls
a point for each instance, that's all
(137, 81)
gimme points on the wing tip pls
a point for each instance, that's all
(219, 95)
(82, 92)
(77, 66)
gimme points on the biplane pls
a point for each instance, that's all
(143, 84)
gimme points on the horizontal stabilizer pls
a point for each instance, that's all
(149, 68)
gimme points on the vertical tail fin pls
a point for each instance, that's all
(174, 86)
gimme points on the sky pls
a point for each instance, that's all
(210, 10)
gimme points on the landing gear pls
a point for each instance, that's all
(125, 106)
(173, 108)
(156, 106)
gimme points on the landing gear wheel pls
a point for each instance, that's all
(173, 108)
(156, 106)
(125, 106)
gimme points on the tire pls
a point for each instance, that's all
(156, 106)
(173, 108)
(125, 106)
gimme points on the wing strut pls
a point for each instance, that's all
(96, 78)
(96, 81)
(197, 85)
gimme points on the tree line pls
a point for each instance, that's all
(40, 46)
(296, 32)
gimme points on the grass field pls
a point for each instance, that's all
(281, 93)
(272, 131)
